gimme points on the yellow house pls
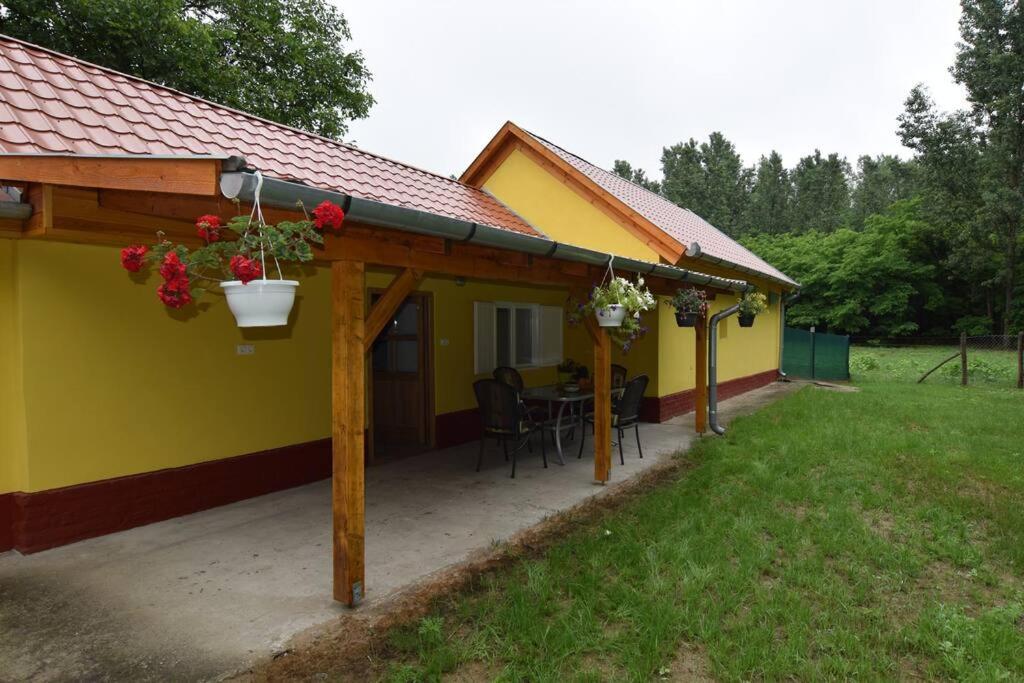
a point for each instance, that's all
(116, 412)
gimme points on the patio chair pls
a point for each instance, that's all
(625, 414)
(503, 418)
(511, 377)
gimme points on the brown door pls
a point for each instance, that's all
(401, 381)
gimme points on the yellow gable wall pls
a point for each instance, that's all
(558, 211)
(115, 385)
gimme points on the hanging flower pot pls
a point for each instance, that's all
(616, 305)
(691, 305)
(611, 315)
(260, 303)
(750, 304)
(687, 318)
(239, 250)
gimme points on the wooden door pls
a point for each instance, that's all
(400, 358)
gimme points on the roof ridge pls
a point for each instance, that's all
(154, 84)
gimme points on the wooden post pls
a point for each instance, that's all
(700, 407)
(348, 410)
(1020, 360)
(602, 399)
(602, 406)
(963, 359)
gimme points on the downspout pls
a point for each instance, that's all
(783, 302)
(713, 367)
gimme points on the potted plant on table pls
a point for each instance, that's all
(691, 305)
(235, 256)
(616, 304)
(751, 303)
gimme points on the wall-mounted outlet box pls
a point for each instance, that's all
(245, 349)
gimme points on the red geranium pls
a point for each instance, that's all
(245, 269)
(208, 227)
(328, 216)
(172, 268)
(175, 292)
(132, 257)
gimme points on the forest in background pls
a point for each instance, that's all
(884, 246)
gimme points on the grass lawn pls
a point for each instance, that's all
(872, 535)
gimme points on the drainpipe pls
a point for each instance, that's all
(713, 367)
(783, 302)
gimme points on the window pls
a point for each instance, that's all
(515, 334)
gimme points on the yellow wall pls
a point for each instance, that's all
(741, 351)
(115, 385)
(13, 473)
(558, 211)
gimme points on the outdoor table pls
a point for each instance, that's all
(553, 393)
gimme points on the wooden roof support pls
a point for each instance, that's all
(404, 284)
(700, 408)
(348, 422)
(602, 399)
(145, 174)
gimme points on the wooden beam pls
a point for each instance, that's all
(178, 176)
(348, 422)
(384, 310)
(700, 335)
(602, 406)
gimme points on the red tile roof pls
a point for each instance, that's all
(54, 104)
(681, 224)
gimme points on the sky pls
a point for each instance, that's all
(622, 80)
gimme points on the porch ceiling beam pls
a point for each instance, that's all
(348, 422)
(185, 176)
(404, 284)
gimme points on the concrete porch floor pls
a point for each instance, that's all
(204, 595)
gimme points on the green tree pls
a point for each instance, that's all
(284, 60)
(708, 179)
(624, 169)
(990, 64)
(768, 206)
(880, 181)
(821, 193)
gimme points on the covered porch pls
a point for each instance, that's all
(214, 591)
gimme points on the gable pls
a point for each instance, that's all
(563, 213)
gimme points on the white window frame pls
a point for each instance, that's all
(536, 361)
(513, 306)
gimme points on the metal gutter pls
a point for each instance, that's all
(694, 251)
(15, 210)
(285, 194)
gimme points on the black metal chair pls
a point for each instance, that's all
(625, 414)
(511, 377)
(502, 418)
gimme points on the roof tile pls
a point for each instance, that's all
(53, 103)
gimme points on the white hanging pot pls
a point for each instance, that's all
(260, 303)
(611, 316)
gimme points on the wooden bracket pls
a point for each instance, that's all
(382, 312)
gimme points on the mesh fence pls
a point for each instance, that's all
(815, 355)
(991, 360)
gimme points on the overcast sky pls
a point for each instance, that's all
(621, 80)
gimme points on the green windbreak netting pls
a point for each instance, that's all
(815, 355)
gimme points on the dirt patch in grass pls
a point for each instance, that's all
(691, 663)
(352, 648)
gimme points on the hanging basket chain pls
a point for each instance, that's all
(257, 214)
